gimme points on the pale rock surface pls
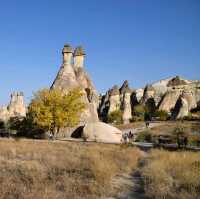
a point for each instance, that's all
(114, 99)
(149, 92)
(181, 109)
(102, 132)
(117, 99)
(4, 113)
(126, 107)
(73, 75)
(16, 107)
(139, 94)
(169, 101)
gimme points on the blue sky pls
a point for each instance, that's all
(138, 40)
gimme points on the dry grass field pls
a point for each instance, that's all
(172, 175)
(55, 170)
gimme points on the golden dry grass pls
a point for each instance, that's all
(172, 175)
(53, 170)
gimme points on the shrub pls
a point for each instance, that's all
(2, 124)
(179, 130)
(162, 115)
(194, 140)
(139, 110)
(115, 117)
(150, 106)
(144, 136)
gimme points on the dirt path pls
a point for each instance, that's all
(130, 186)
(143, 127)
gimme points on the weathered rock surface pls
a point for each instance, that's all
(4, 113)
(161, 95)
(181, 108)
(101, 132)
(139, 94)
(177, 81)
(149, 92)
(16, 107)
(72, 75)
(114, 99)
(169, 100)
(126, 107)
(117, 99)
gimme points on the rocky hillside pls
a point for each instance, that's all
(175, 95)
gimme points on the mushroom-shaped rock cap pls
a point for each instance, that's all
(176, 81)
(79, 51)
(125, 88)
(149, 88)
(114, 90)
(67, 49)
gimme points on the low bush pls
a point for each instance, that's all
(2, 124)
(179, 130)
(144, 136)
(162, 115)
(194, 140)
(115, 117)
(139, 110)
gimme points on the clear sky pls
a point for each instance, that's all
(138, 40)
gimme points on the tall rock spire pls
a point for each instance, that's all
(72, 75)
(66, 78)
(79, 55)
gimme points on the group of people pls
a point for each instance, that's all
(127, 136)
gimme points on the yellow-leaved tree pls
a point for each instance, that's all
(52, 110)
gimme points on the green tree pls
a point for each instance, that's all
(163, 115)
(50, 110)
(115, 117)
(139, 110)
(138, 113)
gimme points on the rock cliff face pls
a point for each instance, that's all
(179, 96)
(149, 92)
(72, 75)
(16, 107)
(117, 99)
(126, 107)
(175, 95)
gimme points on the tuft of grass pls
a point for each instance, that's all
(42, 169)
(172, 175)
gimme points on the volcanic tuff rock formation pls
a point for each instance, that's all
(16, 107)
(175, 95)
(149, 92)
(117, 99)
(102, 132)
(72, 75)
